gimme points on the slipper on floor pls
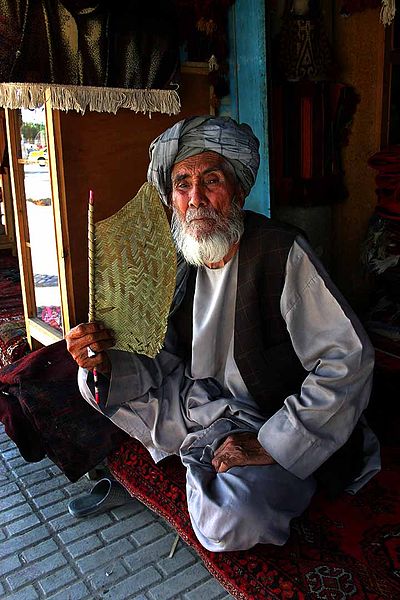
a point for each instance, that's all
(106, 494)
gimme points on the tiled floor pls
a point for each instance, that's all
(118, 555)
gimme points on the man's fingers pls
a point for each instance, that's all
(234, 442)
(98, 338)
(87, 362)
(223, 464)
(101, 345)
(101, 362)
(98, 341)
(83, 329)
(240, 450)
(85, 333)
(223, 467)
(227, 441)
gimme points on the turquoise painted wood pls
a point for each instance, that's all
(248, 102)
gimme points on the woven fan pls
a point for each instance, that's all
(135, 272)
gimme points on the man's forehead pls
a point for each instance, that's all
(199, 163)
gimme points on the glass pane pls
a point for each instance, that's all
(40, 216)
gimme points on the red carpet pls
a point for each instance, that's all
(346, 548)
(13, 342)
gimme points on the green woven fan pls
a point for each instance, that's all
(135, 272)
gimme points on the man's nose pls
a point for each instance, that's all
(197, 196)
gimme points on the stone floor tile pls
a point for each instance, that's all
(102, 579)
(22, 524)
(210, 590)
(39, 550)
(16, 512)
(55, 509)
(179, 583)
(9, 564)
(131, 585)
(8, 489)
(84, 527)
(24, 540)
(77, 591)
(86, 545)
(150, 553)
(28, 593)
(33, 571)
(57, 580)
(50, 498)
(107, 555)
(13, 500)
(181, 559)
(149, 534)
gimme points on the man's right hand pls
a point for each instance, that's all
(95, 336)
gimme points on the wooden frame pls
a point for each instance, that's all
(7, 235)
(59, 200)
(7, 239)
(38, 332)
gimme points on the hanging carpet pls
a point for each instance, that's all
(93, 54)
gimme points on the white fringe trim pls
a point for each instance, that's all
(82, 98)
(388, 11)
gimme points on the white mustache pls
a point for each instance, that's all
(196, 213)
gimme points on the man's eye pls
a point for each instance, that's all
(212, 180)
(183, 185)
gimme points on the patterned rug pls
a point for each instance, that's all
(13, 343)
(343, 548)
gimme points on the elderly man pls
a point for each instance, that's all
(265, 370)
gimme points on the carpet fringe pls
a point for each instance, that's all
(82, 98)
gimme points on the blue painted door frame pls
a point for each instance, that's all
(248, 86)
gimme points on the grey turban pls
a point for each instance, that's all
(236, 143)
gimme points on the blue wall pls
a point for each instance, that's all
(247, 102)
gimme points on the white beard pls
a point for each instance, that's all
(210, 247)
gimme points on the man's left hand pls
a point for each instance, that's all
(239, 450)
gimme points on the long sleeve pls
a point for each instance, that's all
(334, 348)
(133, 375)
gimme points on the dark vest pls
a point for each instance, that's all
(263, 350)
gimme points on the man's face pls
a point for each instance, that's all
(207, 220)
(203, 187)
